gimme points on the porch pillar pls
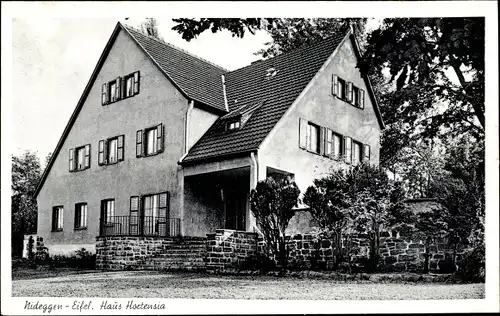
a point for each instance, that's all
(254, 178)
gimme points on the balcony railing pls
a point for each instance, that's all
(140, 226)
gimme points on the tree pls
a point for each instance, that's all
(430, 226)
(376, 203)
(461, 189)
(286, 33)
(363, 200)
(422, 57)
(328, 201)
(47, 160)
(272, 203)
(150, 27)
(26, 172)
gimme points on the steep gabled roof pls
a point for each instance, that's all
(251, 85)
(197, 78)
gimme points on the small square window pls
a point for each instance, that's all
(233, 125)
(81, 215)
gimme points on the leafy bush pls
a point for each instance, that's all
(273, 205)
(472, 266)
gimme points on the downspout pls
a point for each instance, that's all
(186, 129)
(223, 78)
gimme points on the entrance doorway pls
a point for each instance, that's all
(235, 209)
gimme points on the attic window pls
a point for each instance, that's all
(271, 72)
(232, 125)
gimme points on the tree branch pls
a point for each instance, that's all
(477, 108)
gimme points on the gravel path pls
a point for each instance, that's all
(200, 286)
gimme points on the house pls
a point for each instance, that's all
(163, 143)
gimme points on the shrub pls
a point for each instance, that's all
(31, 254)
(273, 205)
(472, 266)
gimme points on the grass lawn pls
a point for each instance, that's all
(204, 286)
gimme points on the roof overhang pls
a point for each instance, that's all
(368, 83)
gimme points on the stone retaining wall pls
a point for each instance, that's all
(139, 253)
(229, 250)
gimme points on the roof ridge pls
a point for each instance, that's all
(176, 47)
(292, 51)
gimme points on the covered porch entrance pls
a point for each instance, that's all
(217, 200)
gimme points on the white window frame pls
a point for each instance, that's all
(310, 127)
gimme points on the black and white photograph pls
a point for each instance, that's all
(254, 157)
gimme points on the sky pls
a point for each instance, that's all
(53, 60)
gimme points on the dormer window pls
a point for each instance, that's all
(232, 125)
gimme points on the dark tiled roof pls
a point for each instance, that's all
(197, 78)
(250, 85)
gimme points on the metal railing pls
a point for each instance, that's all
(139, 226)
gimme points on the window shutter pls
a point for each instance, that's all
(87, 157)
(322, 140)
(347, 149)
(366, 151)
(302, 133)
(139, 144)
(77, 216)
(349, 92)
(361, 98)
(100, 157)
(136, 82)
(159, 135)
(118, 88)
(71, 159)
(120, 146)
(335, 85)
(134, 215)
(104, 97)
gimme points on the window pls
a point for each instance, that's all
(108, 211)
(149, 141)
(341, 88)
(111, 150)
(232, 125)
(57, 218)
(313, 138)
(366, 154)
(356, 152)
(80, 215)
(120, 88)
(129, 86)
(155, 213)
(347, 149)
(355, 96)
(347, 91)
(333, 144)
(79, 158)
